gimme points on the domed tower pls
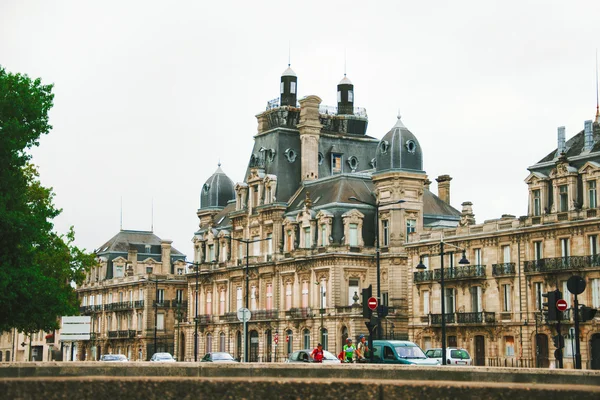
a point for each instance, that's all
(217, 190)
(345, 97)
(289, 87)
(399, 150)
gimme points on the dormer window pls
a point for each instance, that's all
(293, 87)
(336, 163)
(148, 247)
(564, 198)
(537, 203)
(592, 194)
(350, 96)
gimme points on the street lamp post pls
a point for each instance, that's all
(421, 266)
(377, 255)
(247, 241)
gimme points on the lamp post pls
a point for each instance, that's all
(421, 266)
(247, 241)
(196, 267)
(377, 254)
(322, 309)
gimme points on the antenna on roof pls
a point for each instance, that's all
(344, 61)
(597, 104)
(152, 216)
(121, 222)
(289, 53)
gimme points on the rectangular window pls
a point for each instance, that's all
(592, 194)
(566, 294)
(506, 298)
(269, 243)
(208, 303)
(505, 254)
(564, 247)
(238, 298)
(179, 296)
(161, 295)
(129, 322)
(281, 87)
(160, 321)
(288, 295)
(324, 235)
(253, 305)
(92, 299)
(595, 293)
(211, 252)
(307, 241)
(477, 257)
(339, 96)
(118, 271)
(336, 163)
(537, 203)
(256, 245)
(305, 294)
(385, 233)
(449, 301)
(593, 245)
(539, 300)
(475, 298)
(110, 297)
(353, 234)
(140, 321)
(426, 302)
(537, 250)
(293, 87)
(352, 289)
(323, 293)
(222, 302)
(564, 198)
(350, 96)
(425, 262)
(255, 197)
(411, 226)
(569, 343)
(269, 304)
(240, 251)
(120, 297)
(509, 346)
(289, 244)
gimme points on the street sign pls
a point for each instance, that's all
(576, 284)
(561, 305)
(243, 314)
(372, 303)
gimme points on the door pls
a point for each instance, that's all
(268, 344)
(595, 351)
(238, 345)
(479, 350)
(542, 350)
(253, 346)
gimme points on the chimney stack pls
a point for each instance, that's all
(588, 141)
(561, 141)
(444, 187)
(165, 246)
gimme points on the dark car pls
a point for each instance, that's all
(303, 356)
(219, 357)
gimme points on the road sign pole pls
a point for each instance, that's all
(577, 346)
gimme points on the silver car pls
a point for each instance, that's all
(113, 358)
(454, 356)
(162, 357)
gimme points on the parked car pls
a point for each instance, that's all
(303, 356)
(219, 357)
(454, 356)
(400, 352)
(162, 357)
(114, 358)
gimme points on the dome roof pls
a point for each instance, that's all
(288, 72)
(217, 190)
(345, 81)
(399, 150)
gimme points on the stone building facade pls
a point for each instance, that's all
(494, 304)
(136, 297)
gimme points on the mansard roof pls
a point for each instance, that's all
(127, 240)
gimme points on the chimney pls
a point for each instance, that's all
(132, 259)
(466, 216)
(588, 136)
(165, 246)
(444, 187)
(310, 130)
(426, 183)
(561, 141)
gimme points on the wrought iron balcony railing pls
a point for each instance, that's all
(161, 304)
(301, 313)
(461, 272)
(558, 264)
(503, 269)
(261, 315)
(139, 304)
(482, 317)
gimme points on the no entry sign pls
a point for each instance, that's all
(561, 305)
(372, 303)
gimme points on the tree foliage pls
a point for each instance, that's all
(37, 265)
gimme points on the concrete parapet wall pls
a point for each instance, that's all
(166, 388)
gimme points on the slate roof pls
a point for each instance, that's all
(126, 239)
(573, 147)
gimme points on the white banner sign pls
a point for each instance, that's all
(75, 328)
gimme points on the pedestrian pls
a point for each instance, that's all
(317, 353)
(349, 350)
(362, 350)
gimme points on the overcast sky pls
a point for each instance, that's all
(149, 96)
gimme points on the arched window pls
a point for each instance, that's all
(306, 338)
(209, 343)
(324, 337)
(222, 341)
(290, 340)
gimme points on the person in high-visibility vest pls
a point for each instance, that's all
(349, 350)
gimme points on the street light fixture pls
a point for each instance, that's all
(421, 266)
(149, 271)
(377, 254)
(247, 241)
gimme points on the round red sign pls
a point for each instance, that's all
(561, 305)
(372, 303)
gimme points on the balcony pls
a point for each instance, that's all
(205, 319)
(462, 272)
(560, 264)
(505, 269)
(423, 276)
(476, 318)
(161, 304)
(122, 334)
(119, 306)
(138, 304)
(264, 315)
(299, 313)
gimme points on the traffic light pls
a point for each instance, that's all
(587, 313)
(366, 295)
(559, 341)
(549, 307)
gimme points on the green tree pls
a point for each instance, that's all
(37, 265)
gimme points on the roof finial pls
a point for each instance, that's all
(219, 163)
(289, 53)
(399, 115)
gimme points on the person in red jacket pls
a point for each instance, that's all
(317, 354)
